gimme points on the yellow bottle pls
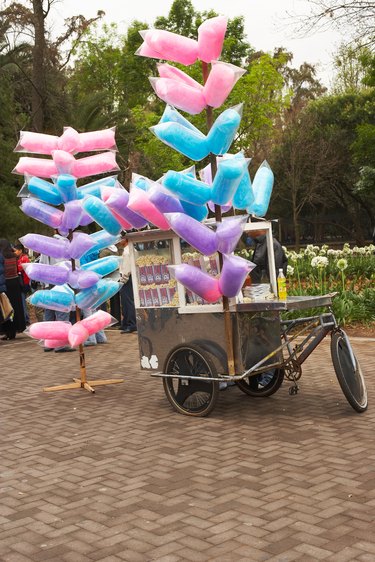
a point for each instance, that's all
(281, 285)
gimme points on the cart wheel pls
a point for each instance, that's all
(348, 371)
(259, 386)
(191, 397)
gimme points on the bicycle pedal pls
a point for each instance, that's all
(293, 390)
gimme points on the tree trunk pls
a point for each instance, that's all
(38, 98)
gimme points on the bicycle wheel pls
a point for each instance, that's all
(258, 385)
(348, 371)
(187, 396)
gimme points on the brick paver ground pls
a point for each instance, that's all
(120, 476)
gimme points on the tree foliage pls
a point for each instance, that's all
(355, 18)
(320, 146)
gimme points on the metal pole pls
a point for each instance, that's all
(82, 361)
(218, 218)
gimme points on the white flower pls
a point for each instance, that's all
(289, 270)
(342, 264)
(320, 262)
(293, 256)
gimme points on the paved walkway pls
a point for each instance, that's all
(120, 476)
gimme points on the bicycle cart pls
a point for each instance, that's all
(184, 341)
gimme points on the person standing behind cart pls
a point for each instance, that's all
(128, 322)
(22, 258)
(260, 257)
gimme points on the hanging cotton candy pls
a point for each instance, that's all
(262, 189)
(244, 195)
(171, 46)
(72, 216)
(66, 185)
(48, 274)
(79, 279)
(171, 115)
(197, 281)
(140, 204)
(179, 94)
(141, 181)
(69, 140)
(233, 275)
(64, 162)
(118, 204)
(54, 247)
(97, 164)
(227, 180)
(197, 212)
(211, 35)
(229, 232)
(42, 212)
(101, 214)
(220, 82)
(187, 188)
(223, 208)
(52, 299)
(56, 330)
(79, 245)
(198, 235)
(102, 239)
(205, 174)
(102, 266)
(52, 344)
(35, 167)
(44, 190)
(167, 71)
(107, 291)
(223, 131)
(97, 321)
(97, 140)
(163, 200)
(78, 334)
(95, 187)
(182, 139)
(37, 143)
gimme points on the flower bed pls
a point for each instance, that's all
(350, 272)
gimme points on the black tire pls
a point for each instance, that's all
(348, 371)
(250, 385)
(191, 397)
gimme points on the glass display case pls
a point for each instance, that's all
(153, 250)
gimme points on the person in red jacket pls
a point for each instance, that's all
(22, 258)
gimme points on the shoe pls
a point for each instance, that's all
(5, 338)
(89, 343)
(47, 349)
(128, 330)
(63, 349)
(101, 342)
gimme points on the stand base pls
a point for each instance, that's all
(78, 383)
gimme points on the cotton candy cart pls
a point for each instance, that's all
(185, 342)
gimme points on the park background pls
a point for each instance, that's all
(319, 140)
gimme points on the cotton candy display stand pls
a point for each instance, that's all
(220, 183)
(65, 207)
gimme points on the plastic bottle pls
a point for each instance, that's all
(281, 285)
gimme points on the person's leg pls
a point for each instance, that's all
(24, 304)
(100, 337)
(127, 299)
